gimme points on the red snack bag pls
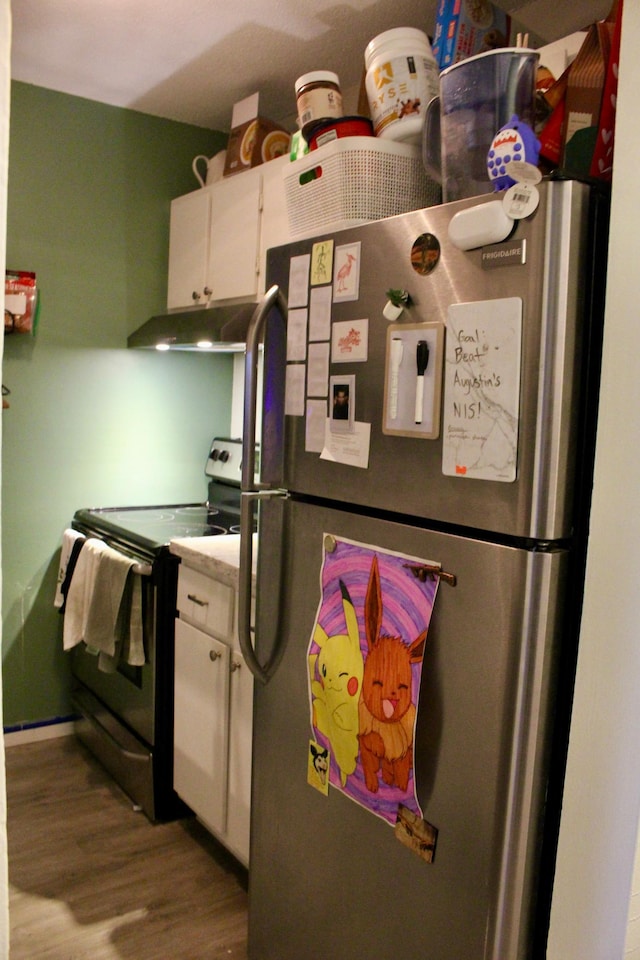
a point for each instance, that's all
(20, 301)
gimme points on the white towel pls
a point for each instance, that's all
(80, 592)
(104, 607)
(69, 537)
(105, 623)
(133, 646)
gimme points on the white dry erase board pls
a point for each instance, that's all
(482, 389)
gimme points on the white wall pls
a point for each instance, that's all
(5, 81)
(600, 813)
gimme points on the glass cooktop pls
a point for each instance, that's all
(155, 526)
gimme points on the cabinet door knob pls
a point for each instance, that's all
(235, 665)
(195, 295)
(207, 291)
(213, 655)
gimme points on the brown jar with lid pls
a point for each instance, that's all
(318, 97)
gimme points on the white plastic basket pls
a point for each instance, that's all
(356, 179)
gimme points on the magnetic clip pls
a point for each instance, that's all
(423, 570)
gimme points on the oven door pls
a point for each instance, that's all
(116, 720)
(129, 692)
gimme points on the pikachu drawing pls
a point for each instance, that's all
(336, 674)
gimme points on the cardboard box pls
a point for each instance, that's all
(584, 98)
(467, 27)
(253, 139)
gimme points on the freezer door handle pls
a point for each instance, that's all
(253, 490)
(272, 300)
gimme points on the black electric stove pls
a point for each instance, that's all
(126, 717)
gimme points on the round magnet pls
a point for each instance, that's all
(425, 253)
(330, 544)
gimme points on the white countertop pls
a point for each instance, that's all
(216, 557)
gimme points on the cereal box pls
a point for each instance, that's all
(467, 27)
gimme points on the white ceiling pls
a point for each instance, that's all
(191, 60)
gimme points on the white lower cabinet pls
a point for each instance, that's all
(213, 711)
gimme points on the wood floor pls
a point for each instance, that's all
(91, 879)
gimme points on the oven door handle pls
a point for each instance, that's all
(269, 321)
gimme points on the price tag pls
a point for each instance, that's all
(521, 200)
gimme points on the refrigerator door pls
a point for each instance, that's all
(329, 880)
(544, 269)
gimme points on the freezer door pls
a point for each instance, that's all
(546, 273)
(329, 880)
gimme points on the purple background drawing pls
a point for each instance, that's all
(407, 605)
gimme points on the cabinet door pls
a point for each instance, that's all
(233, 249)
(189, 249)
(240, 736)
(201, 728)
(274, 226)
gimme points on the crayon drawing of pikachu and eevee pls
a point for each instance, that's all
(362, 703)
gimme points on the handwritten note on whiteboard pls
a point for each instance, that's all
(482, 389)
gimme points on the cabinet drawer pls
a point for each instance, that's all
(206, 603)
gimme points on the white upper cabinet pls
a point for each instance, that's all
(189, 230)
(219, 235)
(234, 235)
(274, 224)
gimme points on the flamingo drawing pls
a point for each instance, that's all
(344, 272)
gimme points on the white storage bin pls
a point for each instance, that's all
(356, 179)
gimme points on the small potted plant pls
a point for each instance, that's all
(397, 300)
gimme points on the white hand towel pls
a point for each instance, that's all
(69, 537)
(103, 628)
(133, 651)
(80, 592)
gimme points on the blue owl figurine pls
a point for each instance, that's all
(514, 141)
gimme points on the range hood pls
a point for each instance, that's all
(219, 327)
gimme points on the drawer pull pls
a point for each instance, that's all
(235, 665)
(197, 600)
(213, 655)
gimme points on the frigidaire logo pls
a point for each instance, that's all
(504, 254)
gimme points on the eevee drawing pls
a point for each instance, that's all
(386, 711)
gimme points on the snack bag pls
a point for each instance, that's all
(20, 301)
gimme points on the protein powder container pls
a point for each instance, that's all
(401, 79)
(318, 97)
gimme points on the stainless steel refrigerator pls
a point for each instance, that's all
(469, 463)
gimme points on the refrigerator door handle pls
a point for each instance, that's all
(262, 672)
(252, 489)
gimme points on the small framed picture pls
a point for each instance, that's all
(342, 402)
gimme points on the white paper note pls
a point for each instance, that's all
(318, 376)
(299, 280)
(350, 448)
(294, 390)
(320, 313)
(314, 428)
(297, 335)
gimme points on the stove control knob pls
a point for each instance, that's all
(224, 455)
(214, 454)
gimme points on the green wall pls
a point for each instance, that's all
(90, 423)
